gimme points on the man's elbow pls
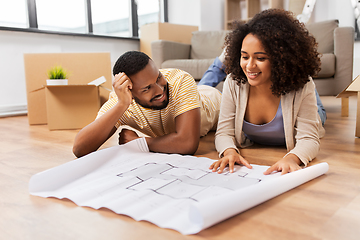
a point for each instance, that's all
(191, 147)
(78, 151)
(191, 151)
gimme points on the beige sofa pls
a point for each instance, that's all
(334, 43)
(194, 58)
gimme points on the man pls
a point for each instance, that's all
(166, 105)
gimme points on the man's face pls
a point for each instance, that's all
(150, 88)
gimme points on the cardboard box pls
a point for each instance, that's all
(71, 106)
(353, 89)
(82, 68)
(164, 31)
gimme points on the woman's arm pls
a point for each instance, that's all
(306, 131)
(225, 133)
(307, 125)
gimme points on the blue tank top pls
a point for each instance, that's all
(271, 133)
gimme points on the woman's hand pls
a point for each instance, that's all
(231, 156)
(290, 163)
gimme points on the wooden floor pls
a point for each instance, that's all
(325, 208)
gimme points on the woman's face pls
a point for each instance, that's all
(255, 62)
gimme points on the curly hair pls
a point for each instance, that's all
(131, 63)
(291, 49)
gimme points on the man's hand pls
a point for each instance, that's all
(231, 156)
(126, 136)
(122, 87)
(92, 136)
(290, 163)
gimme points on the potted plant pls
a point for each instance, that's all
(57, 76)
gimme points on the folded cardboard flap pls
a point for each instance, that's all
(98, 81)
(351, 90)
(82, 68)
(37, 110)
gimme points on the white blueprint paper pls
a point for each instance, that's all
(169, 190)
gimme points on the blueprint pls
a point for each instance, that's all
(169, 190)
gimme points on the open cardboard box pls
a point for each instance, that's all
(352, 89)
(72, 106)
(83, 68)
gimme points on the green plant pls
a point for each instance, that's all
(57, 72)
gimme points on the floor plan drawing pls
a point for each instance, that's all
(180, 182)
(169, 190)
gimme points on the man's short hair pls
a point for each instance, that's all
(131, 63)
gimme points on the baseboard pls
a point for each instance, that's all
(14, 110)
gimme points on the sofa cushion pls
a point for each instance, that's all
(324, 34)
(195, 67)
(327, 66)
(207, 44)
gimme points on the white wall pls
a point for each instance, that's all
(186, 12)
(14, 44)
(211, 15)
(208, 15)
(334, 9)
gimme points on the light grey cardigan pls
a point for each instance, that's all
(302, 124)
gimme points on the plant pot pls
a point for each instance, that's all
(57, 82)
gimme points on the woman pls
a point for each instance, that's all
(269, 95)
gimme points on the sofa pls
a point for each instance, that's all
(334, 43)
(194, 58)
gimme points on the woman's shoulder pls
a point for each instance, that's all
(234, 85)
(309, 86)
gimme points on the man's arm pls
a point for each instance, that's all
(186, 138)
(91, 137)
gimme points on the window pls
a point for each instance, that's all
(148, 11)
(13, 13)
(63, 16)
(111, 17)
(118, 18)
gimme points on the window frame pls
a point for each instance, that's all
(134, 25)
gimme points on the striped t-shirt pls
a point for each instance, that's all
(184, 95)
